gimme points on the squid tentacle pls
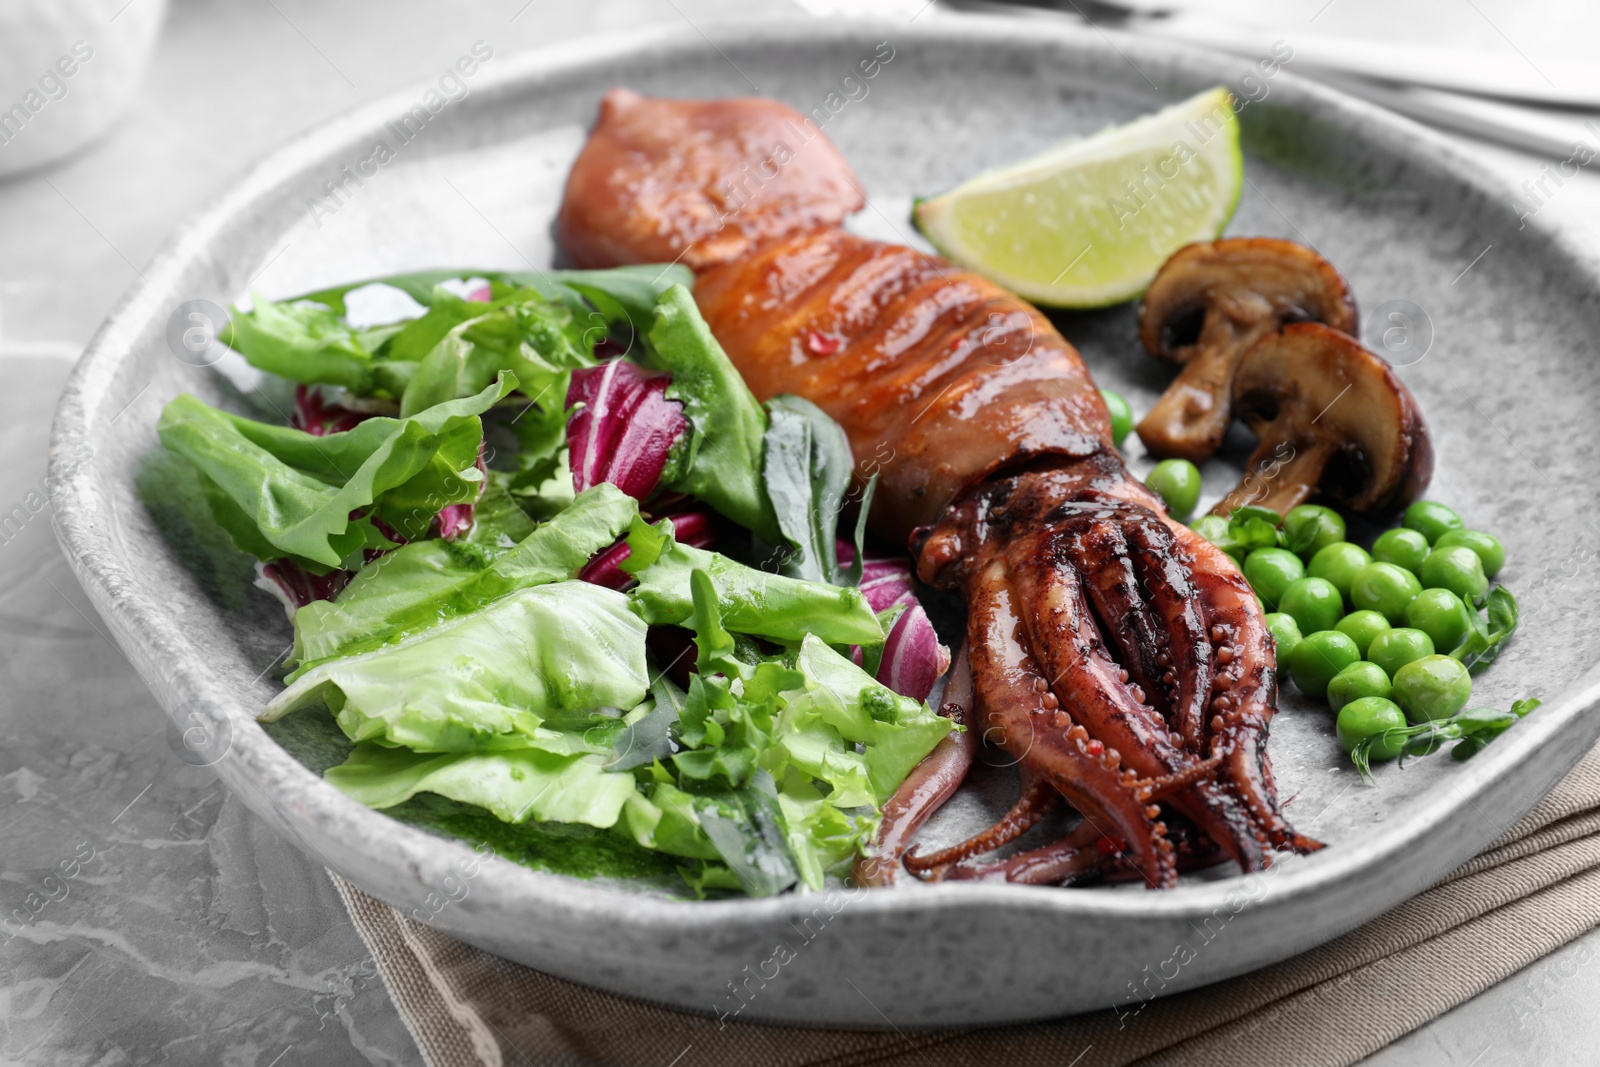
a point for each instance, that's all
(1022, 714)
(1244, 693)
(1165, 573)
(931, 783)
(1099, 551)
(1067, 641)
(1081, 853)
(1038, 796)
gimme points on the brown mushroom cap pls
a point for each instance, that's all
(1330, 417)
(1208, 304)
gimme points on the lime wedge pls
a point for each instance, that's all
(1090, 222)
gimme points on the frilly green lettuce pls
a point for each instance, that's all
(752, 600)
(281, 492)
(489, 679)
(515, 786)
(420, 584)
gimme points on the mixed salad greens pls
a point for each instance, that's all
(547, 556)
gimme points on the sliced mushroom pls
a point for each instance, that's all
(1207, 305)
(1331, 418)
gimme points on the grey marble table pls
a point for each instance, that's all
(154, 919)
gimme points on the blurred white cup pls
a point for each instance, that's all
(67, 70)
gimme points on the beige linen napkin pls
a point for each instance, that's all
(1535, 889)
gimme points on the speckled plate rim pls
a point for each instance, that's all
(299, 802)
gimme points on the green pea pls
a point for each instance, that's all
(1356, 681)
(1441, 615)
(1314, 603)
(1402, 547)
(1431, 519)
(1314, 526)
(1491, 553)
(1372, 717)
(1338, 563)
(1384, 588)
(1393, 649)
(1121, 416)
(1318, 658)
(1434, 687)
(1458, 569)
(1285, 634)
(1361, 627)
(1272, 570)
(1213, 528)
(1177, 482)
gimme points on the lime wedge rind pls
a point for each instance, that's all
(1089, 222)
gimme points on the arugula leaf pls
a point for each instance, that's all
(806, 468)
(719, 461)
(423, 583)
(490, 679)
(715, 646)
(746, 828)
(647, 733)
(515, 786)
(281, 492)
(852, 575)
(752, 601)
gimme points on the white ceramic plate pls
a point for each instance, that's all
(1509, 385)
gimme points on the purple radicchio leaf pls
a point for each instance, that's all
(622, 427)
(318, 416)
(456, 519)
(295, 587)
(913, 659)
(696, 529)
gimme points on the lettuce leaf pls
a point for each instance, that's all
(719, 461)
(421, 584)
(741, 830)
(753, 601)
(515, 786)
(308, 339)
(536, 340)
(842, 707)
(281, 492)
(490, 679)
(782, 762)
